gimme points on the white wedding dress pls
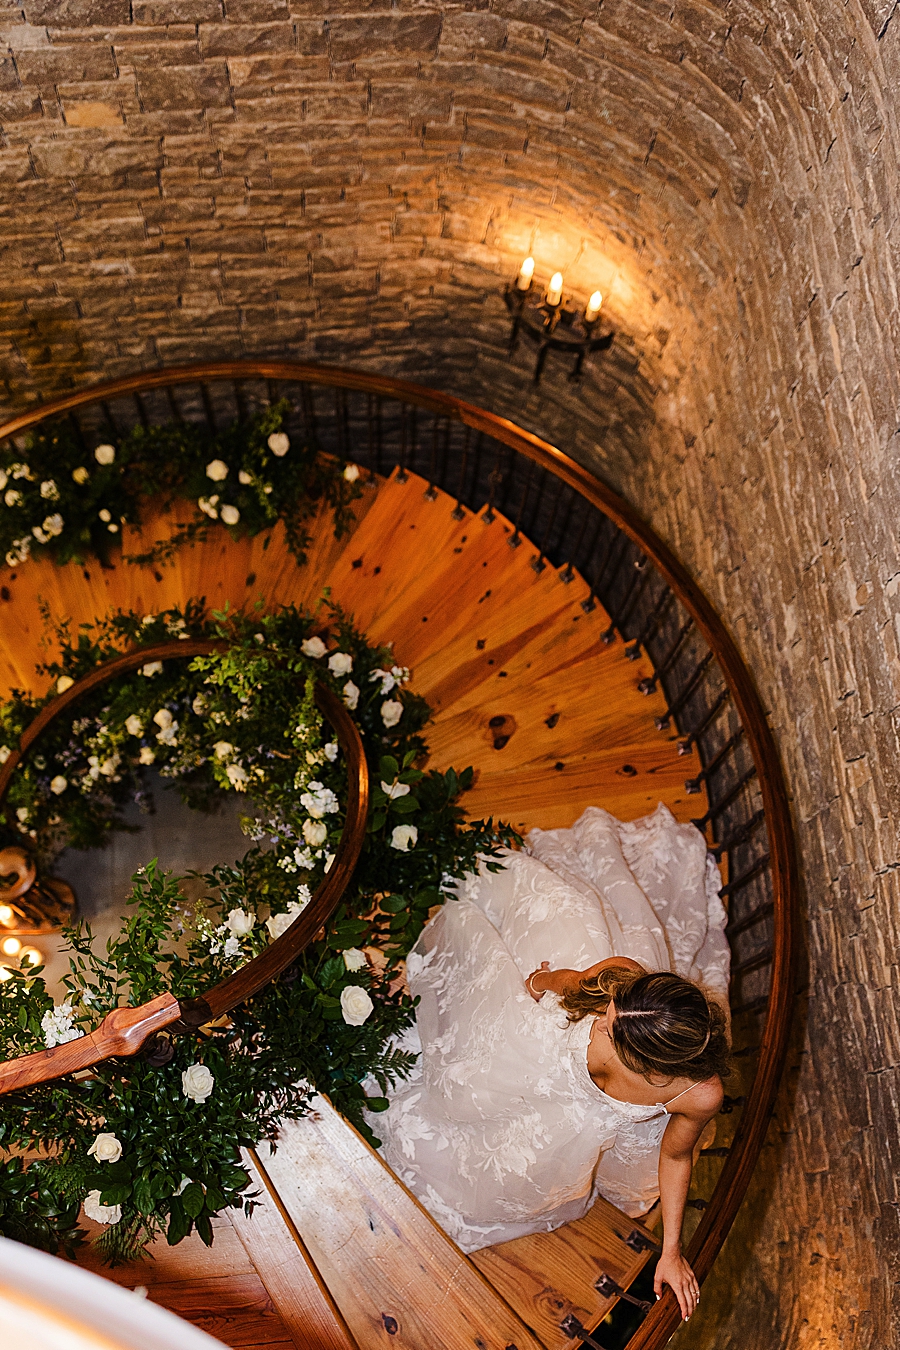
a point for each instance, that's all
(500, 1130)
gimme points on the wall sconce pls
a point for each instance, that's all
(551, 324)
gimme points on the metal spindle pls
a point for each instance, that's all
(402, 475)
(240, 401)
(715, 811)
(515, 538)
(308, 405)
(174, 408)
(685, 745)
(687, 693)
(207, 407)
(752, 963)
(431, 492)
(495, 478)
(538, 564)
(568, 574)
(651, 626)
(752, 919)
(648, 686)
(694, 785)
(741, 836)
(458, 513)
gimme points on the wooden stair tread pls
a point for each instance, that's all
(547, 1276)
(397, 1278)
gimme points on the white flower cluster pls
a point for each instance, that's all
(226, 939)
(319, 801)
(390, 678)
(56, 1024)
(280, 923)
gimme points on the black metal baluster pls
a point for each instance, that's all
(515, 538)
(458, 513)
(756, 915)
(431, 492)
(694, 785)
(402, 475)
(177, 414)
(685, 745)
(308, 404)
(568, 573)
(648, 686)
(495, 478)
(241, 403)
(615, 553)
(741, 836)
(538, 564)
(715, 811)
(207, 407)
(634, 592)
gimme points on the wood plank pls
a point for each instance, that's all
(396, 1276)
(297, 1290)
(547, 1276)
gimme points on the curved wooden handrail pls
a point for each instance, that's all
(664, 1317)
(125, 1030)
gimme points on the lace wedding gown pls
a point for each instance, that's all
(500, 1131)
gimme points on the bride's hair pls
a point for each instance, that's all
(663, 1024)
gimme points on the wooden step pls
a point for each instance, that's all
(398, 1279)
(548, 1276)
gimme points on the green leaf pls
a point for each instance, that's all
(389, 769)
(404, 806)
(377, 1103)
(393, 904)
(193, 1199)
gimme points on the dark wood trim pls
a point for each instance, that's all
(124, 1030)
(735, 1177)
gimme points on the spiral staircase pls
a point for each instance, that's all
(571, 660)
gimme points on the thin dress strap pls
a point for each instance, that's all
(665, 1105)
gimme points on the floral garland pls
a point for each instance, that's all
(153, 1144)
(61, 498)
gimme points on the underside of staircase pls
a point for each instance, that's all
(531, 687)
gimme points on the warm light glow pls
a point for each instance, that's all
(6, 914)
(5, 973)
(10, 946)
(554, 290)
(593, 307)
(32, 956)
(526, 272)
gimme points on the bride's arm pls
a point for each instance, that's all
(544, 979)
(676, 1163)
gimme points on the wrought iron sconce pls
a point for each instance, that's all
(551, 324)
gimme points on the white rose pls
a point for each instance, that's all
(5, 753)
(197, 1082)
(237, 777)
(230, 515)
(63, 683)
(391, 712)
(108, 1214)
(54, 524)
(105, 454)
(351, 472)
(354, 959)
(12, 497)
(280, 923)
(80, 476)
(58, 784)
(356, 1005)
(217, 470)
(152, 668)
(208, 507)
(315, 832)
(331, 751)
(4, 479)
(49, 490)
(163, 718)
(105, 1148)
(279, 444)
(104, 515)
(22, 814)
(313, 647)
(222, 749)
(40, 535)
(133, 725)
(404, 837)
(147, 755)
(240, 923)
(394, 790)
(199, 705)
(351, 695)
(340, 663)
(244, 477)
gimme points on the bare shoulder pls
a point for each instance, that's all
(703, 1100)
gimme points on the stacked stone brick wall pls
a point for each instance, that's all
(355, 182)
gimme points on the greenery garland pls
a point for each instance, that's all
(152, 1144)
(65, 499)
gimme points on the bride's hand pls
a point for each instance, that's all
(673, 1270)
(529, 983)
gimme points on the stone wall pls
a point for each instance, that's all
(187, 178)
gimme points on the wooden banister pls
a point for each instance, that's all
(125, 1030)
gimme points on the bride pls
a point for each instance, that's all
(560, 1057)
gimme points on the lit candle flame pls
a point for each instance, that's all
(526, 272)
(593, 307)
(10, 946)
(554, 290)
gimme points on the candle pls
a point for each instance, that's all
(7, 918)
(593, 307)
(11, 946)
(526, 272)
(554, 290)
